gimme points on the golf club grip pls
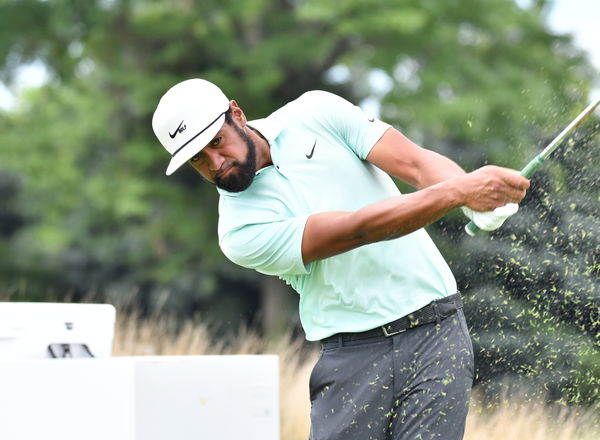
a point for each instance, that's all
(471, 228)
(532, 167)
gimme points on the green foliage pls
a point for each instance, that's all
(90, 212)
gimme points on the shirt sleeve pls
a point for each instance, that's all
(273, 248)
(359, 131)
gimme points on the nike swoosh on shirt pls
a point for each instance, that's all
(309, 156)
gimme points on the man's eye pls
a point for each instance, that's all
(215, 142)
(195, 158)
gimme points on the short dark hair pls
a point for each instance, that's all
(228, 118)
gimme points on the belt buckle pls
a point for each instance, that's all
(388, 334)
(413, 322)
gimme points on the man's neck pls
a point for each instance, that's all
(263, 149)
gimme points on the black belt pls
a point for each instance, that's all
(432, 312)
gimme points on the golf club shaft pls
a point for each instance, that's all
(537, 161)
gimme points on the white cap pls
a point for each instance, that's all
(187, 118)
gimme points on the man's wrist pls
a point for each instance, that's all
(454, 192)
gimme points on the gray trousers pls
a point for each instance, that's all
(414, 385)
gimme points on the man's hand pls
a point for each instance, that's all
(491, 187)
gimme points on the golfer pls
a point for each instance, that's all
(306, 195)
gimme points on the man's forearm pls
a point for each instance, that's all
(398, 156)
(434, 168)
(330, 233)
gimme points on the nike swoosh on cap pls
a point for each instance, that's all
(177, 130)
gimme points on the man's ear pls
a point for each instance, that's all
(237, 114)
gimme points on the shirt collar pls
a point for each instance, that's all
(268, 127)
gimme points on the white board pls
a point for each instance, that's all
(28, 329)
(141, 398)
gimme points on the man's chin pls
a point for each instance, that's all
(235, 184)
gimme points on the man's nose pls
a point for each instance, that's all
(215, 160)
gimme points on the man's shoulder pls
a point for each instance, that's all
(309, 109)
(312, 100)
(317, 95)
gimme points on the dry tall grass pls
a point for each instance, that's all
(514, 420)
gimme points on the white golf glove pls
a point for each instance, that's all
(490, 220)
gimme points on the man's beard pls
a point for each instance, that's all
(240, 178)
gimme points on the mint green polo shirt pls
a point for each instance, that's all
(319, 143)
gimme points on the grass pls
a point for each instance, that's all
(513, 419)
